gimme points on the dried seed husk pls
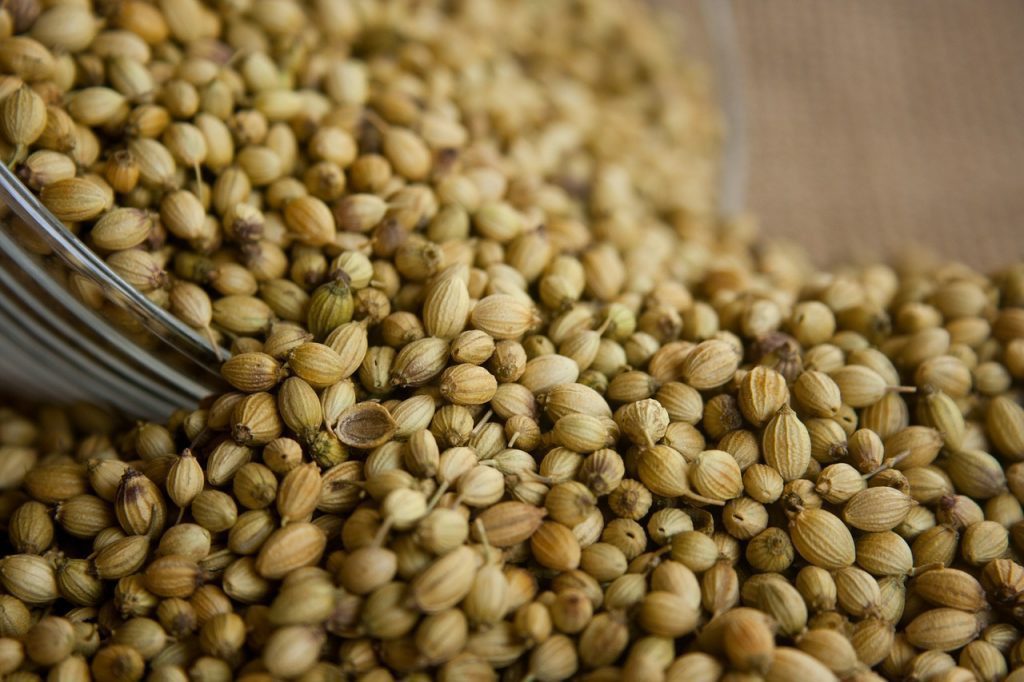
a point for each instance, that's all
(625, 591)
(503, 316)
(818, 588)
(918, 446)
(365, 425)
(299, 493)
(293, 546)
(866, 450)
(225, 460)
(319, 365)
(945, 373)
(84, 516)
(928, 484)
(330, 306)
(644, 422)
(56, 481)
(214, 510)
(22, 118)
(683, 403)
(446, 308)
(944, 629)
(860, 386)
(628, 386)
(78, 584)
(857, 591)
(75, 199)
(292, 650)
(413, 415)
(817, 394)
(664, 471)
(121, 228)
(445, 582)
(441, 636)
(173, 576)
(709, 365)
(242, 315)
(26, 58)
(976, 473)
(770, 550)
(666, 614)
(603, 641)
(570, 503)
(367, 569)
(441, 531)
(1004, 422)
(837, 483)
(984, 660)
(877, 509)
(762, 483)
(420, 361)
(695, 550)
(937, 544)
(662, 527)
(982, 542)
(720, 588)
(696, 666)
(554, 659)
(749, 642)
(716, 475)
(255, 420)
(573, 398)
(121, 557)
(793, 664)
(604, 561)
(712, 636)
(950, 587)
(554, 546)
(50, 641)
(310, 220)
(783, 602)
(787, 444)
(350, 342)
(762, 393)
(30, 529)
(15, 619)
(872, 638)
(472, 346)
(939, 411)
(29, 578)
(304, 603)
(300, 408)
(252, 372)
(884, 553)
(481, 486)
(822, 539)
(185, 539)
(250, 531)
(243, 583)
(139, 505)
(467, 384)
(581, 432)
(487, 601)
(509, 523)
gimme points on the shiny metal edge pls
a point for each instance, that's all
(122, 383)
(74, 252)
(729, 74)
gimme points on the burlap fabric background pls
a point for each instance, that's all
(877, 123)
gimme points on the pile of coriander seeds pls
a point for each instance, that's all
(508, 401)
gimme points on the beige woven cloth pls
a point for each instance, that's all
(873, 124)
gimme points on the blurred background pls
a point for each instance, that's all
(877, 124)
